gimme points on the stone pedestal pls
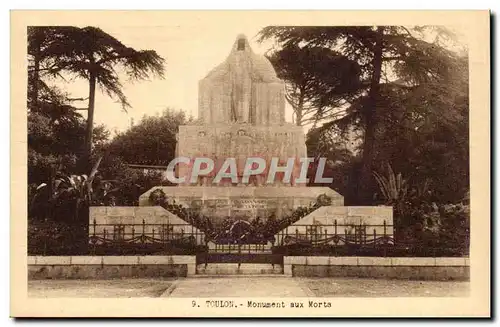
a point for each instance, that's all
(244, 202)
(239, 141)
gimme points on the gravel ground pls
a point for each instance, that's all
(361, 287)
(241, 286)
(119, 288)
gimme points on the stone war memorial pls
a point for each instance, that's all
(241, 111)
(241, 116)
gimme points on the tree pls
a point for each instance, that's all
(129, 183)
(342, 160)
(424, 134)
(311, 89)
(151, 141)
(44, 48)
(389, 57)
(56, 132)
(92, 54)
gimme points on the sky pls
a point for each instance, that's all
(190, 53)
(191, 50)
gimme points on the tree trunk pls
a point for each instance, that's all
(369, 111)
(90, 125)
(36, 77)
(300, 108)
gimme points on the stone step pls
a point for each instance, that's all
(242, 269)
(238, 276)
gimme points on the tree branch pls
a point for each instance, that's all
(77, 99)
(407, 31)
(103, 60)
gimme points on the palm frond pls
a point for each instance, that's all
(94, 169)
(41, 186)
(383, 185)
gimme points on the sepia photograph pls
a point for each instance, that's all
(266, 168)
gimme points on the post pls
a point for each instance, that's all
(385, 239)
(94, 239)
(364, 232)
(360, 232)
(239, 255)
(206, 252)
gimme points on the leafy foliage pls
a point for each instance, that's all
(393, 187)
(56, 132)
(410, 110)
(58, 214)
(130, 183)
(399, 68)
(313, 91)
(157, 197)
(151, 141)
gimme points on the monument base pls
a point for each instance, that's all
(245, 202)
(239, 141)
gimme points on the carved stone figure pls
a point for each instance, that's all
(241, 111)
(243, 89)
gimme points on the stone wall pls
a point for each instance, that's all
(347, 218)
(106, 267)
(153, 217)
(377, 267)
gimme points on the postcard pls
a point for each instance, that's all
(250, 164)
